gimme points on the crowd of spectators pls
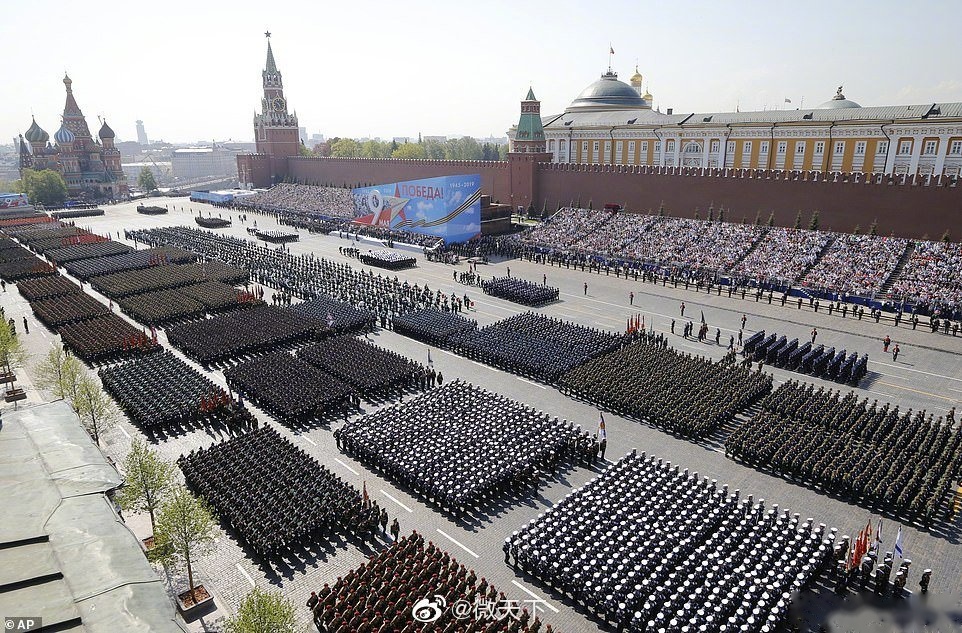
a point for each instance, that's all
(932, 277)
(292, 200)
(856, 264)
(782, 256)
(649, 547)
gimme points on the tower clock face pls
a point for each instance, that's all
(278, 103)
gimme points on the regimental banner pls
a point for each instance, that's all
(448, 207)
(13, 200)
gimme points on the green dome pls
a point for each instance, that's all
(35, 134)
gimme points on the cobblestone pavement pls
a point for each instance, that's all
(928, 375)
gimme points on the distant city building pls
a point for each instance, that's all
(436, 139)
(160, 169)
(200, 162)
(613, 123)
(302, 134)
(89, 167)
(142, 134)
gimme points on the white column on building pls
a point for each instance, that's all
(705, 146)
(893, 151)
(916, 155)
(942, 153)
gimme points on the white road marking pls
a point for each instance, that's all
(124, 431)
(461, 545)
(346, 466)
(396, 500)
(309, 440)
(918, 371)
(246, 575)
(43, 334)
(531, 383)
(534, 595)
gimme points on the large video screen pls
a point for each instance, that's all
(448, 207)
(13, 200)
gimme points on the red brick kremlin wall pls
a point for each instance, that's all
(906, 209)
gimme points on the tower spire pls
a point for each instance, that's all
(271, 65)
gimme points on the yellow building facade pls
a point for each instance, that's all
(612, 122)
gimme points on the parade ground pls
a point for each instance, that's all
(927, 375)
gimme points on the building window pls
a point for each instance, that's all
(607, 157)
(657, 146)
(930, 147)
(764, 147)
(905, 147)
(631, 152)
(644, 147)
(692, 148)
(747, 148)
(782, 148)
(669, 146)
(882, 147)
(860, 148)
(839, 148)
(731, 147)
(619, 151)
(820, 147)
(799, 148)
(594, 151)
(956, 148)
(714, 147)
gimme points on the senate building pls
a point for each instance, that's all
(613, 123)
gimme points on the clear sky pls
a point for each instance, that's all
(191, 70)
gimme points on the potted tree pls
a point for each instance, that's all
(263, 611)
(12, 355)
(147, 479)
(185, 530)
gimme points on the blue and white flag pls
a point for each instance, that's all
(898, 543)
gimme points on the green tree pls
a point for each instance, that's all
(857, 229)
(771, 220)
(873, 228)
(375, 149)
(185, 530)
(758, 218)
(59, 372)
(94, 407)
(503, 152)
(45, 187)
(304, 151)
(813, 223)
(263, 612)
(12, 352)
(946, 237)
(146, 181)
(147, 479)
(721, 214)
(711, 213)
(798, 220)
(409, 150)
(432, 149)
(346, 148)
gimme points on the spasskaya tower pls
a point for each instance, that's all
(275, 129)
